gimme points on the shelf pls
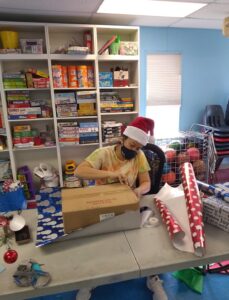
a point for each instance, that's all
(12, 56)
(31, 120)
(27, 89)
(79, 145)
(54, 37)
(34, 148)
(120, 113)
(118, 58)
(74, 89)
(119, 88)
(72, 57)
(73, 118)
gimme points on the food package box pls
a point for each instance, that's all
(86, 206)
(128, 48)
(105, 79)
(216, 212)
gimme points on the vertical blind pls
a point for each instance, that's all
(163, 79)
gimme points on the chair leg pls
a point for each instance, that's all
(218, 163)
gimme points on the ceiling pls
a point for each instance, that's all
(84, 11)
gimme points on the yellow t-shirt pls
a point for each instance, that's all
(106, 159)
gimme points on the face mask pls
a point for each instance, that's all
(127, 153)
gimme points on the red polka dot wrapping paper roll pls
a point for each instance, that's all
(194, 207)
(174, 229)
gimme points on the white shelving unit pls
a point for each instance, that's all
(56, 36)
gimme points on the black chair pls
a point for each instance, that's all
(214, 119)
(156, 159)
(227, 114)
(214, 116)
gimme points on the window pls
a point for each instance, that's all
(164, 93)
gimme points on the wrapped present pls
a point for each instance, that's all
(216, 212)
(219, 190)
(12, 200)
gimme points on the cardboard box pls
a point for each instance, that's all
(86, 206)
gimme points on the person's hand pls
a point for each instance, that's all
(121, 177)
(137, 192)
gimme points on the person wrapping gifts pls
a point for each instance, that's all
(124, 162)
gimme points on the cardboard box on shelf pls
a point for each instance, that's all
(86, 206)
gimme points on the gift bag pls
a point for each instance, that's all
(14, 200)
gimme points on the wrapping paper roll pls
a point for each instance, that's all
(194, 207)
(219, 190)
(173, 227)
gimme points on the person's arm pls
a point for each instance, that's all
(86, 171)
(144, 184)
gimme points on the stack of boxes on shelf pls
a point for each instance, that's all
(68, 133)
(73, 104)
(72, 76)
(25, 136)
(37, 79)
(21, 106)
(14, 80)
(86, 103)
(31, 78)
(89, 132)
(112, 102)
(112, 131)
(66, 105)
(73, 133)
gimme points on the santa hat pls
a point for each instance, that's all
(140, 130)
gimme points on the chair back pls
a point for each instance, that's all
(214, 116)
(227, 114)
(156, 159)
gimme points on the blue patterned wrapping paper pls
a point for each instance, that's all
(216, 212)
(50, 225)
(220, 190)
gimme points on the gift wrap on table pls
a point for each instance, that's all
(50, 227)
(181, 212)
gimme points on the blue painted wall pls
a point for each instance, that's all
(205, 67)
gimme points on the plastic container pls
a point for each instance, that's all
(82, 76)
(9, 39)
